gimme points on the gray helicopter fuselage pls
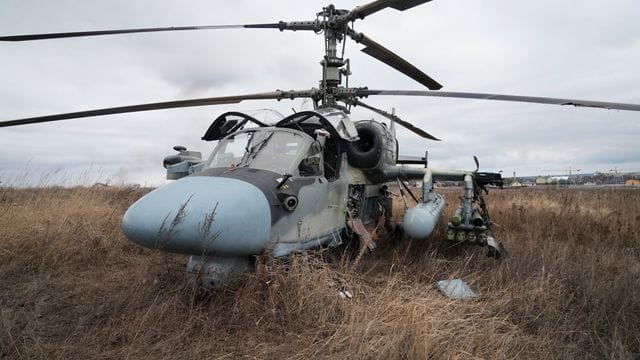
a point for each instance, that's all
(295, 185)
(268, 190)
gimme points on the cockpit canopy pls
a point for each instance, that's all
(281, 150)
(290, 146)
(333, 120)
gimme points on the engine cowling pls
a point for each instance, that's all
(376, 147)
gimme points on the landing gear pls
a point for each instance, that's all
(213, 271)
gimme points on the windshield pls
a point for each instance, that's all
(230, 150)
(274, 149)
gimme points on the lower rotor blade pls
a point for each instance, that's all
(403, 5)
(278, 95)
(500, 97)
(399, 121)
(29, 37)
(388, 57)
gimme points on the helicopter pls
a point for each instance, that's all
(302, 182)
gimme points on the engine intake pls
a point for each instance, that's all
(376, 147)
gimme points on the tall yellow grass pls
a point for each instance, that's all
(71, 286)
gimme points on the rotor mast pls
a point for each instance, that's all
(334, 26)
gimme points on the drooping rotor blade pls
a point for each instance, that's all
(362, 11)
(278, 95)
(385, 55)
(399, 121)
(29, 37)
(500, 97)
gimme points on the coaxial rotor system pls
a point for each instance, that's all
(335, 25)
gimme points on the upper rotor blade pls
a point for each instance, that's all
(362, 11)
(160, 105)
(28, 37)
(388, 57)
(399, 121)
(515, 98)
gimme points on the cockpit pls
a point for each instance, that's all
(306, 143)
(281, 150)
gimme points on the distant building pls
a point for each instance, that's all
(632, 182)
(552, 180)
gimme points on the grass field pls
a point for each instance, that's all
(72, 287)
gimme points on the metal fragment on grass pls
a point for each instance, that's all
(456, 289)
(345, 294)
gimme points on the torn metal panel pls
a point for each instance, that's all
(456, 289)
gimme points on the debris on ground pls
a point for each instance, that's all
(456, 289)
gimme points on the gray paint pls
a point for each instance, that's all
(319, 218)
(456, 289)
(420, 221)
(267, 182)
(213, 271)
(219, 216)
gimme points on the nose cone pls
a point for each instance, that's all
(201, 215)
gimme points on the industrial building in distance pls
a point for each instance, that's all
(612, 178)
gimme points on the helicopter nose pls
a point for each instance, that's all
(201, 215)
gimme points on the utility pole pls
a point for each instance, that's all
(570, 174)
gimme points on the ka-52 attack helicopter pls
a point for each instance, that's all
(301, 183)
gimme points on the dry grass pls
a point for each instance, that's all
(71, 286)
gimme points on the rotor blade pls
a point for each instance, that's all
(362, 11)
(28, 37)
(388, 57)
(399, 121)
(515, 98)
(278, 95)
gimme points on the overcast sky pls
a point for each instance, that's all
(571, 49)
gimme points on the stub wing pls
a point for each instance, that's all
(408, 172)
(471, 222)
